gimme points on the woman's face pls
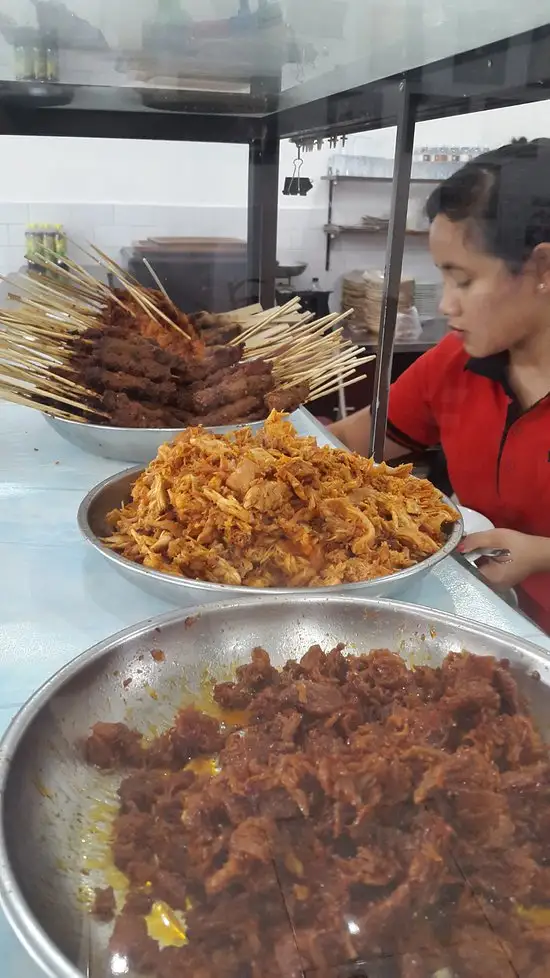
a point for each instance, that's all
(490, 308)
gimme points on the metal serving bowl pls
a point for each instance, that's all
(126, 444)
(50, 794)
(116, 491)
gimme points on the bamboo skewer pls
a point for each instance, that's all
(333, 366)
(245, 312)
(108, 263)
(277, 314)
(310, 331)
(314, 345)
(84, 288)
(10, 356)
(158, 282)
(39, 392)
(36, 341)
(139, 295)
(28, 344)
(7, 394)
(320, 382)
(48, 318)
(332, 390)
(316, 376)
(318, 379)
(87, 276)
(278, 334)
(31, 284)
(27, 325)
(340, 366)
(55, 385)
(62, 398)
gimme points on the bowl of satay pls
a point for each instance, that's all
(118, 371)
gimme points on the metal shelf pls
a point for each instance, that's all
(336, 178)
(335, 230)
(239, 90)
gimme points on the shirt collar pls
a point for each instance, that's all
(495, 368)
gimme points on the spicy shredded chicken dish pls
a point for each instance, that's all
(276, 510)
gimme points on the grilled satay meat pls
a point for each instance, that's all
(287, 400)
(220, 334)
(216, 358)
(164, 392)
(143, 382)
(126, 412)
(246, 409)
(246, 380)
(183, 340)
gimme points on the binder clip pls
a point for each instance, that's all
(297, 186)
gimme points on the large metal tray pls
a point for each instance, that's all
(116, 491)
(49, 792)
(126, 444)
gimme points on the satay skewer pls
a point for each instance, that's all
(7, 394)
(343, 368)
(338, 366)
(80, 283)
(336, 387)
(54, 383)
(278, 314)
(60, 398)
(331, 366)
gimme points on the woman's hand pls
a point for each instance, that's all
(528, 555)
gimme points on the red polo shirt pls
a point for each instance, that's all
(498, 456)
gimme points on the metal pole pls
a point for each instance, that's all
(263, 206)
(394, 265)
(328, 243)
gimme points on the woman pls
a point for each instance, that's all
(483, 393)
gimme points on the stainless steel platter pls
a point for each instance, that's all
(116, 491)
(49, 793)
(125, 444)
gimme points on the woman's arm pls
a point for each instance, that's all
(354, 432)
(412, 421)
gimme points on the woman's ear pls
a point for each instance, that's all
(541, 266)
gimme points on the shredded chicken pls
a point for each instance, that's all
(275, 509)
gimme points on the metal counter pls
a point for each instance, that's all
(58, 597)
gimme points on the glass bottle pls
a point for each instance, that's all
(39, 57)
(60, 241)
(30, 243)
(50, 249)
(51, 49)
(24, 54)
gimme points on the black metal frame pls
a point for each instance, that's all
(263, 208)
(507, 72)
(394, 263)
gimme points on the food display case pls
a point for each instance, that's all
(257, 73)
(253, 72)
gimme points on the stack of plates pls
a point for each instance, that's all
(427, 296)
(364, 293)
(353, 297)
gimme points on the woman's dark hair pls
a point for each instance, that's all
(504, 195)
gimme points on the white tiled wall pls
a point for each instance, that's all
(113, 226)
(112, 192)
